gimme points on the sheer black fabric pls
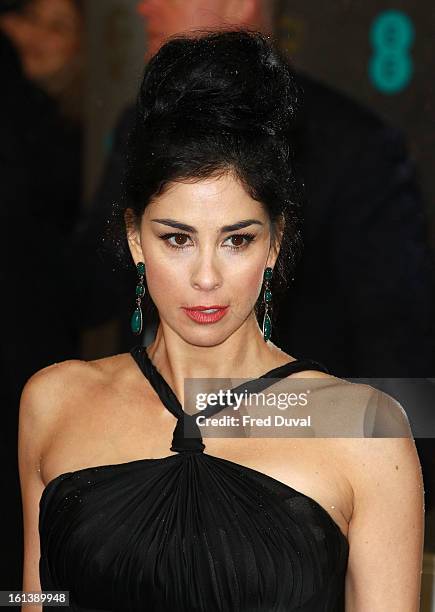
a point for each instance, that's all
(189, 532)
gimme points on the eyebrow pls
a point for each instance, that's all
(225, 228)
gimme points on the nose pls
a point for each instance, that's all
(206, 274)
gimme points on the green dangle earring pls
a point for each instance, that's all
(136, 318)
(267, 299)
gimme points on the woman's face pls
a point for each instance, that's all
(52, 37)
(206, 264)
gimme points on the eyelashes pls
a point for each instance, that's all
(247, 237)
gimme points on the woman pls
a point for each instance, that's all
(211, 220)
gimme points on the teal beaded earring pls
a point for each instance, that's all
(267, 299)
(136, 318)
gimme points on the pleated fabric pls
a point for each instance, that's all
(189, 532)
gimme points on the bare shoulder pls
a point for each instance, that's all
(40, 396)
(50, 389)
(58, 377)
(376, 456)
(53, 377)
(385, 454)
(312, 374)
(44, 404)
(283, 358)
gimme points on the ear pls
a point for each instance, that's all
(133, 235)
(275, 246)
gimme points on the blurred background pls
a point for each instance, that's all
(70, 72)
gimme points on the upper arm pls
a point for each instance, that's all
(386, 531)
(39, 410)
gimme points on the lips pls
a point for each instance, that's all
(200, 314)
(213, 306)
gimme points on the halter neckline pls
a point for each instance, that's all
(170, 400)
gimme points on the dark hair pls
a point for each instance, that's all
(210, 104)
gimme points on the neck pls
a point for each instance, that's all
(244, 354)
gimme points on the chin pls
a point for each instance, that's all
(195, 340)
(204, 335)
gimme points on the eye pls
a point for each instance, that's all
(179, 240)
(242, 240)
(239, 241)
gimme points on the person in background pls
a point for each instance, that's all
(362, 299)
(48, 37)
(41, 127)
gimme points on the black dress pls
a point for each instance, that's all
(189, 532)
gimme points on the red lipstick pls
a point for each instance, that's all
(197, 314)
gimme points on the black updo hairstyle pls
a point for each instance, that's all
(217, 102)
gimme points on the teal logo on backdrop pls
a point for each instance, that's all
(390, 66)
